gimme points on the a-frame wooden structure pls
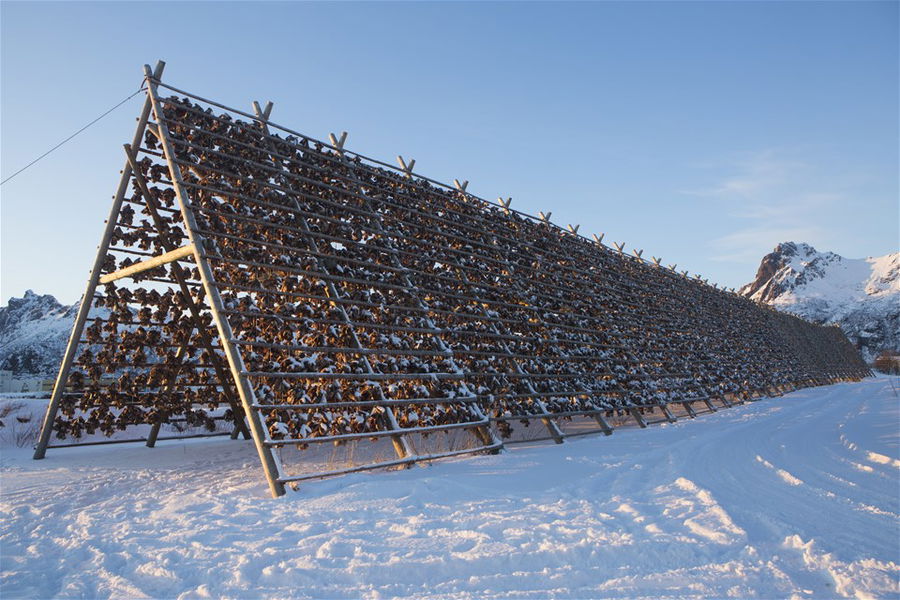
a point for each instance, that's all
(304, 294)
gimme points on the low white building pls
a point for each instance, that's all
(10, 383)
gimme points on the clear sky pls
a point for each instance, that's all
(704, 133)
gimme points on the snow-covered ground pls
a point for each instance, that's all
(797, 496)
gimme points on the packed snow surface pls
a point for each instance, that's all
(789, 497)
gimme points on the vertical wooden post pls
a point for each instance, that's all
(271, 465)
(88, 298)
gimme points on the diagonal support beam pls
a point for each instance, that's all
(271, 465)
(402, 445)
(154, 429)
(485, 433)
(636, 414)
(88, 298)
(603, 423)
(152, 204)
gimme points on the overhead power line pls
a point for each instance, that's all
(73, 135)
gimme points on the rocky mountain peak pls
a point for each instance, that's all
(861, 295)
(33, 333)
(791, 264)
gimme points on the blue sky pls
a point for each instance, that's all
(704, 133)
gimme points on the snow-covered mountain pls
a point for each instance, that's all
(33, 334)
(862, 295)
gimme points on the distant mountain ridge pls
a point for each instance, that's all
(861, 295)
(34, 330)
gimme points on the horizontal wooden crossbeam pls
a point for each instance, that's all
(150, 263)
